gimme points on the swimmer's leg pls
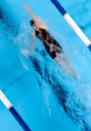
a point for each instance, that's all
(57, 59)
(68, 63)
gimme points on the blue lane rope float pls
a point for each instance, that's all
(72, 23)
(9, 106)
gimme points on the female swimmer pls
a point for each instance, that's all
(52, 46)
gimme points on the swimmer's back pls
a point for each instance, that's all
(50, 43)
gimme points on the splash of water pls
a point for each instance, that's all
(69, 92)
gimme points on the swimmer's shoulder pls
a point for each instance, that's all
(41, 31)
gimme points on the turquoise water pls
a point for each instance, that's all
(42, 93)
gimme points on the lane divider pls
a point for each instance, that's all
(72, 23)
(9, 106)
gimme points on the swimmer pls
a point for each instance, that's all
(52, 46)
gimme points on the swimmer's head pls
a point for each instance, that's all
(34, 24)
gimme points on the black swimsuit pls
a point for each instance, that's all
(51, 45)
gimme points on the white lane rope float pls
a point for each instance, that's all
(72, 23)
(13, 111)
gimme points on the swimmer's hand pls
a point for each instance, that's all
(26, 7)
(25, 52)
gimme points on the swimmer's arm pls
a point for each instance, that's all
(33, 41)
(37, 20)
(30, 12)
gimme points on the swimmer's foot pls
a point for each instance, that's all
(74, 74)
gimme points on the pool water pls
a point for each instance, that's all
(45, 96)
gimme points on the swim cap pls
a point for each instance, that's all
(32, 22)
